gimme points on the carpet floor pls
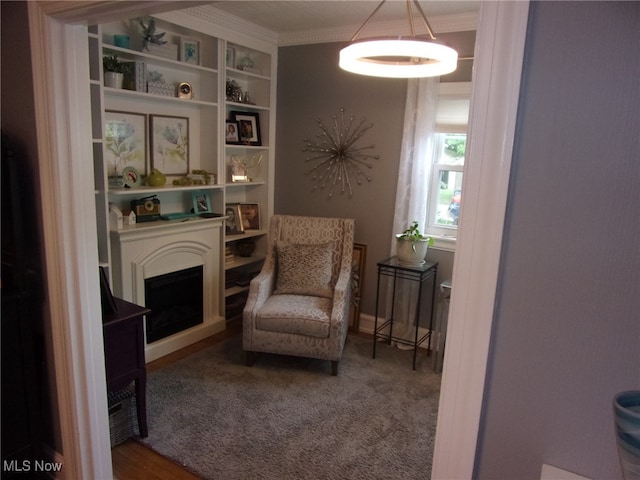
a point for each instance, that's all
(287, 418)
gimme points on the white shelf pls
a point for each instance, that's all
(242, 236)
(156, 60)
(242, 261)
(121, 92)
(231, 291)
(168, 188)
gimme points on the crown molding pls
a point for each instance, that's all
(236, 27)
(440, 24)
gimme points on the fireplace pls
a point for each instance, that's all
(175, 300)
(174, 269)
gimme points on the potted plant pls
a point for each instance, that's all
(412, 245)
(113, 71)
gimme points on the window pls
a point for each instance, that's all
(445, 192)
(447, 166)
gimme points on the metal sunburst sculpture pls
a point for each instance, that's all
(341, 161)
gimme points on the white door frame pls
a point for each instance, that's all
(60, 71)
(498, 63)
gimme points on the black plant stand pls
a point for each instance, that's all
(392, 267)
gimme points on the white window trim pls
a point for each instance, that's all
(450, 119)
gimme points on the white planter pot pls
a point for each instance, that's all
(412, 252)
(113, 79)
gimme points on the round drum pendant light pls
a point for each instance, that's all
(399, 57)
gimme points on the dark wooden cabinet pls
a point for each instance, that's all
(124, 354)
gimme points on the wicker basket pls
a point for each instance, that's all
(123, 422)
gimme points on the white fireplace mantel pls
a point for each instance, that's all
(144, 251)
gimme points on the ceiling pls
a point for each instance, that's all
(289, 16)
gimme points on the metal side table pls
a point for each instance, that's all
(392, 267)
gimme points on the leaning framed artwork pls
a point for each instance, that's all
(231, 133)
(357, 278)
(190, 50)
(125, 142)
(170, 144)
(248, 127)
(250, 215)
(201, 202)
(233, 222)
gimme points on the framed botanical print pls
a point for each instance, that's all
(125, 142)
(170, 144)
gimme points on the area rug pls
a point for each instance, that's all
(288, 418)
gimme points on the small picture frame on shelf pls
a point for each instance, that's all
(233, 219)
(190, 50)
(239, 172)
(170, 144)
(248, 127)
(250, 215)
(231, 57)
(201, 202)
(231, 133)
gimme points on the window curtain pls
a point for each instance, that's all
(418, 141)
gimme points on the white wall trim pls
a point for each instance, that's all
(59, 54)
(496, 84)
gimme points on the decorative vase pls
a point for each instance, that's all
(245, 248)
(626, 413)
(412, 252)
(156, 178)
(113, 79)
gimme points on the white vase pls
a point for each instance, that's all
(113, 79)
(412, 252)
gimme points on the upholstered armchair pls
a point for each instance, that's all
(299, 303)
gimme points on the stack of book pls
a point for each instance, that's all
(228, 255)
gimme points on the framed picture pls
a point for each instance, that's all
(190, 50)
(125, 142)
(248, 127)
(201, 202)
(250, 215)
(239, 172)
(357, 278)
(233, 222)
(231, 132)
(170, 144)
(231, 57)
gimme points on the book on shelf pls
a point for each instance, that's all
(228, 255)
(136, 76)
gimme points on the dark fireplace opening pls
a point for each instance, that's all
(175, 300)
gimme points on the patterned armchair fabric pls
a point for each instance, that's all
(299, 303)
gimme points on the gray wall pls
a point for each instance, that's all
(311, 86)
(567, 330)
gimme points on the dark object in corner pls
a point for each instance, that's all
(109, 306)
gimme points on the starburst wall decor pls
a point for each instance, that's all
(340, 162)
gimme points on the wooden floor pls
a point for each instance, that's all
(132, 460)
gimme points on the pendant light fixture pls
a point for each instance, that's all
(398, 57)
